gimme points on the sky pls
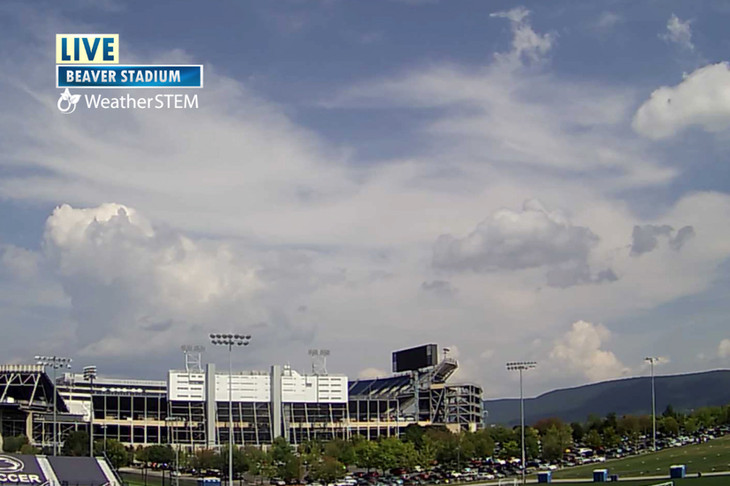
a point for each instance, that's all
(542, 181)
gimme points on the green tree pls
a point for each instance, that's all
(205, 459)
(426, 455)
(543, 425)
(259, 462)
(555, 441)
(160, 454)
(366, 452)
(14, 444)
(290, 469)
(629, 426)
(482, 442)
(501, 434)
(29, 450)
(141, 454)
(593, 439)
(240, 465)
(414, 434)
(690, 425)
(281, 451)
(327, 470)
(116, 452)
(76, 443)
(447, 447)
(388, 454)
(510, 449)
(578, 431)
(532, 442)
(669, 426)
(645, 424)
(342, 450)
(610, 437)
(706, 416)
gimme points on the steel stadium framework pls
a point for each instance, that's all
(190, 408)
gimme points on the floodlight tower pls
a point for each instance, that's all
(651, 360)
(54, 362)
(90, 375)
(230, 340)
(522, 366)
(193, 357)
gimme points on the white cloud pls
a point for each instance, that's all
(723, 349)
(679, 32)
(702, 99)
(526, 43)
(580, 352)
(132, 283)
(516, 240)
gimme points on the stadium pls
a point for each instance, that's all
(190, 408)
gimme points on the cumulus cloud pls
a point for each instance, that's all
(678, 32)
(526, 43)
(133, 286)
(580, 352)
(515, 240)
(702, 99)
(512, 240)
(723, 349)
(646, 238)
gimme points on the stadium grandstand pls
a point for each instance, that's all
(191, 407)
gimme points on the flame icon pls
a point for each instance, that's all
(67, 102)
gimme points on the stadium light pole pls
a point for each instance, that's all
(90, 375)
(522, 366)
(54, 362)
(230, 340)
(651, 360)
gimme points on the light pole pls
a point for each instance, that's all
(230, 340)
(170, 424)
(54, 362)
(522, 366)
(652, 360)
(90, 374)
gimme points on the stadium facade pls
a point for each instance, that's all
(191, 407)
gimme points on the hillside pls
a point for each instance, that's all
(624, 396)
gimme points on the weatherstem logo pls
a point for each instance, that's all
(67, 102)
(91, 61)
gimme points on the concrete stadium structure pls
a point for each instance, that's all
(191, 407)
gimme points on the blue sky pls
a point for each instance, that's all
(513, 180)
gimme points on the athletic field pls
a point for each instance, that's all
(711, 456)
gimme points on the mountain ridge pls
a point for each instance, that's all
(623, 396)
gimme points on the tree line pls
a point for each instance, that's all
(325, 461)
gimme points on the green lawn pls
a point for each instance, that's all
(710, 456)
(704, 481)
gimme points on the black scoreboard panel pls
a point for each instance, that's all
(415, 358)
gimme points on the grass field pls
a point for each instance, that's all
(704, 481)
(708, 457)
